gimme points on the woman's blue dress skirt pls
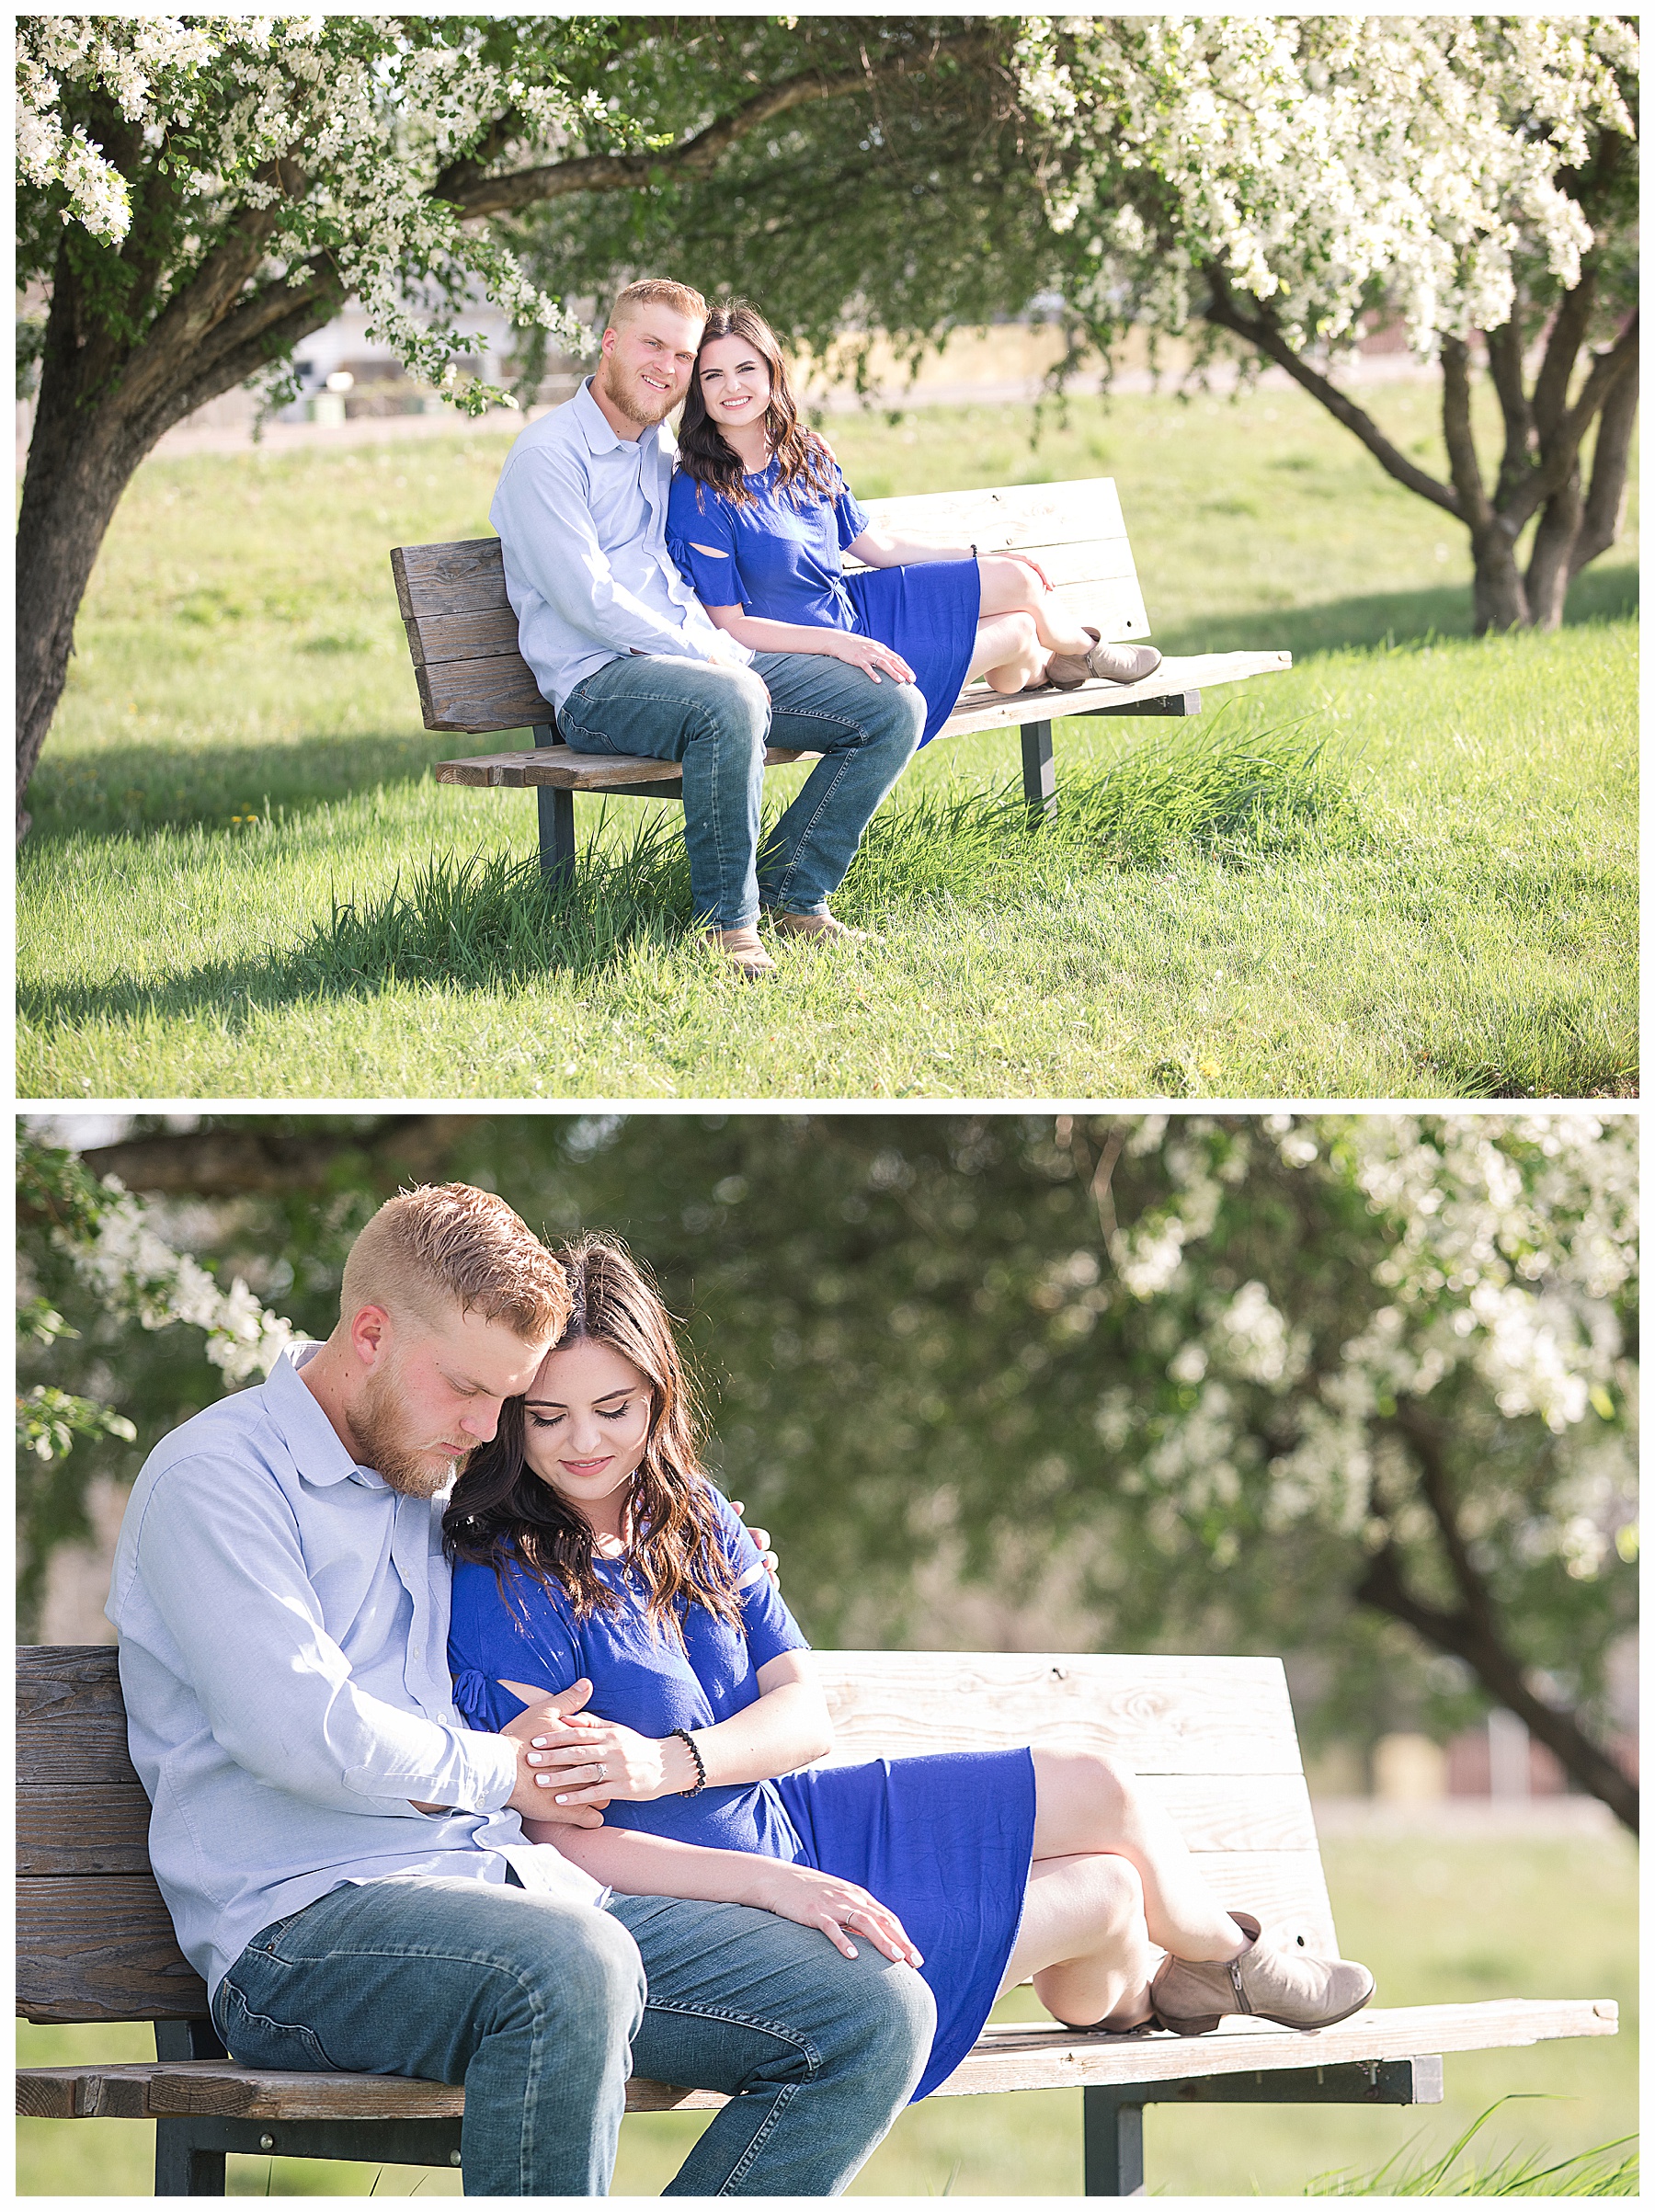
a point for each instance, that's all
(926, 611)
(945, 1842)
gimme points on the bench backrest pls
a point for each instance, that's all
(1213, 1738)
(462, 634)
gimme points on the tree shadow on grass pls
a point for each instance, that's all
(138, 786)
(1387, 618)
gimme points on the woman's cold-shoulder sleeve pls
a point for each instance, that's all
(702, 541)
(849, 511)
(519, 1635)
(767, 1624)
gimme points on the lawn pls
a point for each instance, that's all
(1408, 868)
(1439, 1920)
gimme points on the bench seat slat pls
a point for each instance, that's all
(1010, 2057)
(980, 710)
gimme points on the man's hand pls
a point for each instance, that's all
(609, 1760)
(767, 1558)
(544, 1726)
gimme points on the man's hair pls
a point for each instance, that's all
(658, 291)
(444, 1245)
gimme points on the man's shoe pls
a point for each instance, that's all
(1109, 664)
(1274, 1978)
(742, 951)
(822, 929)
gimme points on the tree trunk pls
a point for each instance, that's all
(1498, 599)
(1550, 558)
(79, 464)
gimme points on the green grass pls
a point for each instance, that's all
(1440, 1921)
(1406, 868)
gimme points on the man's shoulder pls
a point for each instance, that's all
(558, 432)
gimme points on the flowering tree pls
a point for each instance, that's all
(198, 193)
(1357, 1388)
(1280, 179)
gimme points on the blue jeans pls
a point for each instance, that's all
(717, 722)
(543, 2009)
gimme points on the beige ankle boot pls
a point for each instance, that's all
(1274, 1978)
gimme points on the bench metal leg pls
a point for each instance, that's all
(556, 821)
(1040, 775)
(1114, 2144)
(1113, 2112)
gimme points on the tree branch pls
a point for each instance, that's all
(699, 155)
(1563, 343)
(1383, 1588)
(1563, 450)
(1505, 367)
(1606, 501)
(1462, 464)
(1260, 330)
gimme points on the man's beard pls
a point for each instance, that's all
(383, 1445)
(633, 403)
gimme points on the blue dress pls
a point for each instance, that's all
(945, 1843)
(778, 557)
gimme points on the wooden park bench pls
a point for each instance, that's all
(1213, 1737)
(462, 635)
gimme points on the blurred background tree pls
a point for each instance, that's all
(1359, 1389)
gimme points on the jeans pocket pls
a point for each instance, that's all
(254, 2037)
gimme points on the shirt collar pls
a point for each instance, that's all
(600, 432)
(308, 1433)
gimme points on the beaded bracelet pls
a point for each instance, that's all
(700, 1764)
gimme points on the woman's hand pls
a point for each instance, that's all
(612, 1761)
(868, 654)
(824, 1901)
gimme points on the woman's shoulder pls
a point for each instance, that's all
(690, 495)
(511, 1597)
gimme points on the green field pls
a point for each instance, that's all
(1408, 868)
(1440, 1921)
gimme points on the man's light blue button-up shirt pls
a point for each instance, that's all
(582, 521)
(283, 1620)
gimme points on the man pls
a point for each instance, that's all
(633, 663)
(345, 1862)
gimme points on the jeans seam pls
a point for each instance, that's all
(841, 762)
(785, 2091)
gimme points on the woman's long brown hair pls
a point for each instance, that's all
(801, 456)
(502, 1514)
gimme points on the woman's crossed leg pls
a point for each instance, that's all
(1111, 1886)
(1020, 624)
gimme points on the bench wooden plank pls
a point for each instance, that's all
(71, 1717)
(1010, 2058)
(563, 768)
(980, 710)
(499, 693)
(461, 577)
(1163, 1715)
(101, 1950)
(67, 1831)
(480, 634)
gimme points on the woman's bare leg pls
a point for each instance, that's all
(1008, 587)
(1008, 652)
(1083, 1942)
(1086, 1802)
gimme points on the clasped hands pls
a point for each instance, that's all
(570, 1764)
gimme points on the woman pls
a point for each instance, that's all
(589, 1545)
(759, 516)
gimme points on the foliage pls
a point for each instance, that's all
(1330, 165)
(325, 134)
(1209, 1383)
